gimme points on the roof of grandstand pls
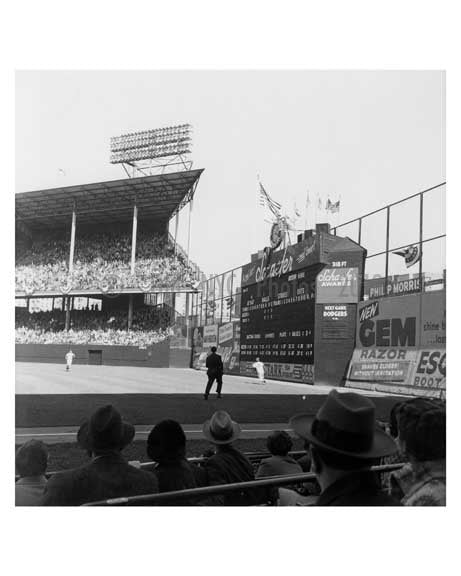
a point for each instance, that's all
(158, 197)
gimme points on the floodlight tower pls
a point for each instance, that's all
(153, 151)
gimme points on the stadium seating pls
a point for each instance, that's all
(150, 325)
(101, 263)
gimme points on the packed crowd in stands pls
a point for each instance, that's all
(150, 325)
(343, 443)
(101, 262)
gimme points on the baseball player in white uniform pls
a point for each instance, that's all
(259, 366)
(69, 358)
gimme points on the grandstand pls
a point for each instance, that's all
(107, 243)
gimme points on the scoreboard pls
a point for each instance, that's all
(277, 319)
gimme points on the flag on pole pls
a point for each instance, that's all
(308, 202)
(266, 201)
(296, 211)
(332, 207)
(412, 254)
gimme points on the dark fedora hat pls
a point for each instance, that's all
(221, 429)
(345, 424)
(105, 430)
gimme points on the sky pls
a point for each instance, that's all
(364, 138)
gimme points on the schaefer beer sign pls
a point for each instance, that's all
(281, 262)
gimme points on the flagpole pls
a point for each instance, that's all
(316, 207)
(305, 209)
(339, 212)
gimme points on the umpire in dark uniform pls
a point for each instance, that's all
(215, 370)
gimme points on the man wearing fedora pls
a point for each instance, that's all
(108, 475)
(228, 465)
(345, 443)
(214, 372)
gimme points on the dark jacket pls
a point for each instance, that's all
(179, 474)
(227, 466)
(214, 364)
(108, 476)
(278, 466)
(355, 489)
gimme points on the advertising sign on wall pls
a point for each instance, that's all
(382, 364)
(430, 370)
(337, 322)
(226, 332)
(433, 325)
(391, 322)
(401, 345)
(283, 371)
(337, 285)
(210, 335)
(273, 265)
(197, 337)
(398, 285)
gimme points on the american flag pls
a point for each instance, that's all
(266, 200)
(332, 207)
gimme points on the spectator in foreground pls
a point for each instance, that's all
(31, 463)
(279, 444)
(397, 482)
(422, 438)
(345, 443)
(228, 465)
(108, 475)
(166, 445)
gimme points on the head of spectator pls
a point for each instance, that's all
(105, 432)
(279, 443)
(421, 427)
(220, 429)
(32, 459)
(166, 442)
(345, 442)
(393, 424)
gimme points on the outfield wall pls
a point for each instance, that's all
(154, 356)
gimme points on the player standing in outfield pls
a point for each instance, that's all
(259, 366)
(69, 358)
(215, 369)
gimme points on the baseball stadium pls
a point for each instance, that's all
(111, 311)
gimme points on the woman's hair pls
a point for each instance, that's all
(166, 441)
(422, 426)
(32, 458)
(279, 443)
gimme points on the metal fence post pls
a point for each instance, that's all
(421, 216)
(388, 214)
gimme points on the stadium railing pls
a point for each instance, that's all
(206, 491)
